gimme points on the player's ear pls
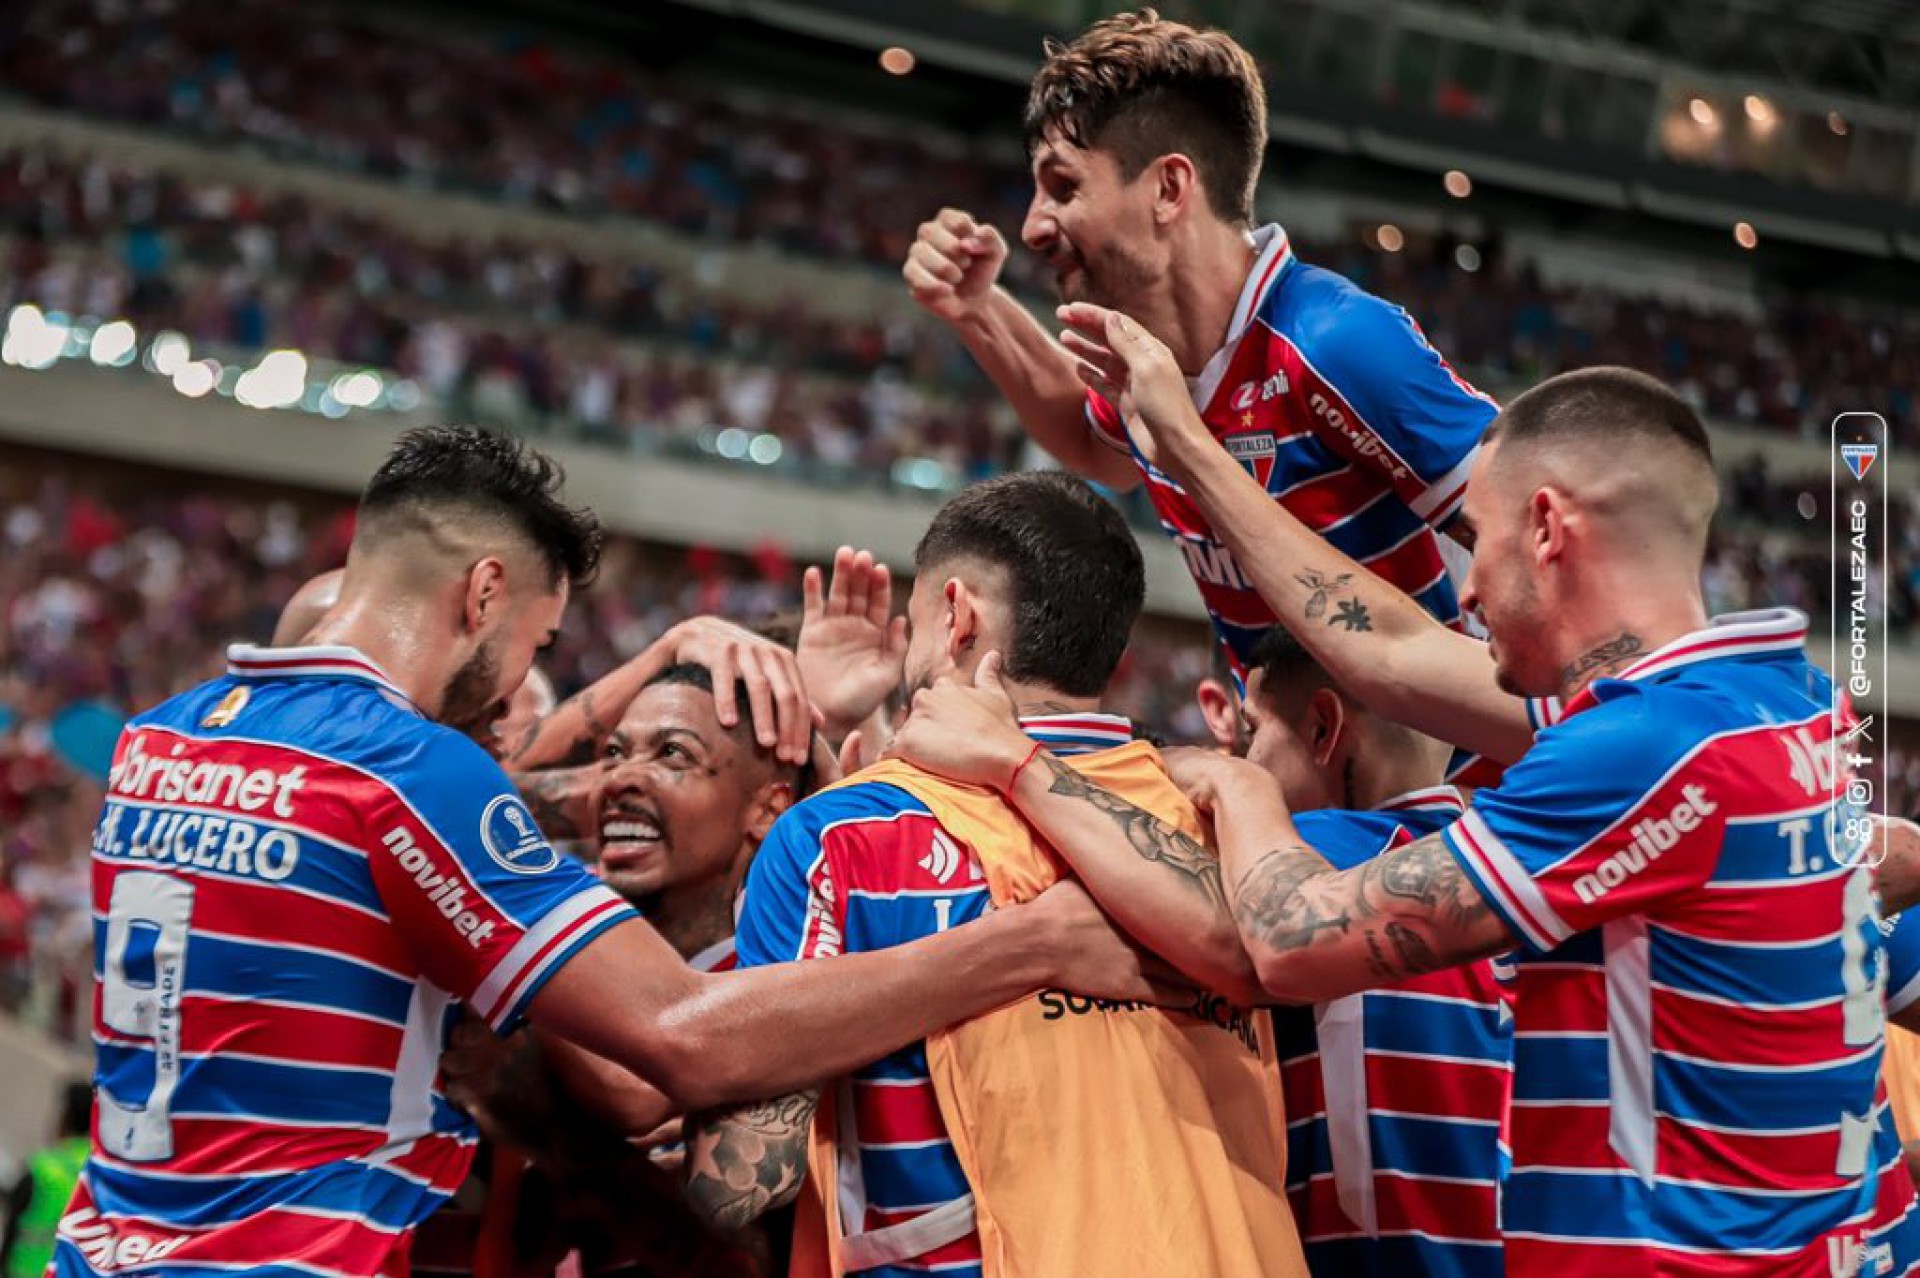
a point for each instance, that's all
(1547, 515)
(1222, 716)
(1327, 722)
(1176, 185)
(765, 807)
(485, 594)
(963, 619)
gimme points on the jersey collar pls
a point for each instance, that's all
(1078, 733)
(1272, 254)
(1436, 798)
(1731, 635)
(317, 661)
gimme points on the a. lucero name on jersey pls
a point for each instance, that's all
(177, 777)
(447, 892)
(1651, 837)
(1363, 441)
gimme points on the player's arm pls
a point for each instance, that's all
(744, 1162)
(1897, 870)
(1316, 933)
(565, 802)
(1373, 638)
(707, 1040)
(950, 270)
(577, 729)
(1159, 883)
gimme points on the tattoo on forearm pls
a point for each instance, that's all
(1291, 899)
(743, 1162)
(1151, 838)
(553, 798)
(1321, 587)
(1352, 614)
(1603, 660)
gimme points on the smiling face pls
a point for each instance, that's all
(685, 800)
(1094, 228)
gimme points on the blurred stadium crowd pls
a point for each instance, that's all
(632, 352)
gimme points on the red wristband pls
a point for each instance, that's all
(1013, 778)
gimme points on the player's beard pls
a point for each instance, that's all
(471, 703)
(1112, 277)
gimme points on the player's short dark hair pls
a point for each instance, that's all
(1617, 405)
(1139, 87)
(1073, 568)
(692, 675)
(76, 1107)
(1289, 674)
(468, 470)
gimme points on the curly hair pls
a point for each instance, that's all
(1140, 86)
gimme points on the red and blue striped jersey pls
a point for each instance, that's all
(867, 867)
(1334, 400)
(1699, 1007)
(296, 879)
(1396, 1099)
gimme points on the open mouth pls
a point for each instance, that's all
(628, 837)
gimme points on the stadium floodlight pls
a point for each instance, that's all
(404, 396)
(113, 344)
(765, 449)
(356, 390)
(1467, 258)
(34, 339)
(279, 380)
(169, 353)
(197, 379)
(732, 443)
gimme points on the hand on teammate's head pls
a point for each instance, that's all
(783, 719)
(965, 729)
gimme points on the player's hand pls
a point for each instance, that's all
(1092, 956)
(852, 649)
(965, 730)
(471, 1066)
(1204, 775)
(953, 263)
(1135, 372)
(782, 719)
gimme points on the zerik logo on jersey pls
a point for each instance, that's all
(106, 1248)
(513, 839)
(1651, 837)
(228, 710)
(1247, 394)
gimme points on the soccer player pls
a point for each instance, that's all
(304, 866)
(1396, 1099)
(1146, 138)
(1698, 1012)
(995, 1149)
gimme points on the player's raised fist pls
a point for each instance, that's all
(953, 263)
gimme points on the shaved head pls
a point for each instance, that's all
(308, 605)
(1627, 449)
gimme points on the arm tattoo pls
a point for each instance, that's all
(585, 747)
(1414, 907)
(1603, 660)
(1352, 615)
(1321, 588)
(745, 1161)
(552, 798)
(1151, 838)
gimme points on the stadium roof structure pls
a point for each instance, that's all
(1866, 49)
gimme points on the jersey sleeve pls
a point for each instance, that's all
(485, 904)
(1903, 961)
(1595, 823)
(789, 908)
(1392, 404)
(1104, 424)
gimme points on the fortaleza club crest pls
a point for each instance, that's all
(1255, 450)
(1859, 458)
